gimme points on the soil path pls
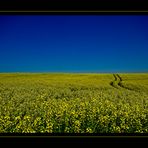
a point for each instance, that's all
(117, 83)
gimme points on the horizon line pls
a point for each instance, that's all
(69, 72)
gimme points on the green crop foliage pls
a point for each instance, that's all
(73, 103)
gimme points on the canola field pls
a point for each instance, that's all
(73, 103)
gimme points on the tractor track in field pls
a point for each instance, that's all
(117, 83)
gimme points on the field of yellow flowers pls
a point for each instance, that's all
(73, 103)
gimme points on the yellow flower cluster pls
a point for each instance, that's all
(73, 103)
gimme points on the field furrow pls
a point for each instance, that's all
(117, 83)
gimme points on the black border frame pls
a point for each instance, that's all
(74, 7)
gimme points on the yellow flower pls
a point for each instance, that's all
(89, 130)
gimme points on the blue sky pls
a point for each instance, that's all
(73, 43)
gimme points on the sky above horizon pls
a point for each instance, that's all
(73, 43)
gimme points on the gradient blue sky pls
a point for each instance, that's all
(73, 43)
